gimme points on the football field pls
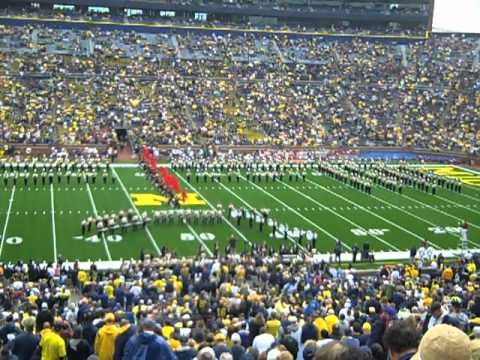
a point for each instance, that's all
(42, 222)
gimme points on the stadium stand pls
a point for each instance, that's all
(240, 308)
(77, 77)
(200, 88)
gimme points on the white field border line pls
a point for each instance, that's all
(149, 234)
(380, 256)
(251, 207)
(340, 216)
(420, 165)
(473, 187)
(107, 250)
(371, 212)
(213, 208)
(474, 198)
(468, 170)
(54, 231)
(10, 202)
(438, 210)
(296, 212)
(460, 205)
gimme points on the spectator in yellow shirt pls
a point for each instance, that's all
(273, 325)
(51, 343)
(105, 339)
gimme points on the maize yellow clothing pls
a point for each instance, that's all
(105, 341)
(53, 346)
(273, 326)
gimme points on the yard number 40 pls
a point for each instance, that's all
(366, 232)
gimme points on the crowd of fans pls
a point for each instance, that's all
(241, 308)
(198, 88)
(77, 87)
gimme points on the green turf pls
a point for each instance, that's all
(321, 204)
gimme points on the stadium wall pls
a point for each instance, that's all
(231, 10)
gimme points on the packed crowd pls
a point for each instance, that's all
(241, 308)
(202, 88)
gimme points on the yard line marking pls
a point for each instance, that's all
(469, 196)
(455, 204)
(343, 217)
(440, 211)
(408, 213)
(251, 207)
(199, 239)
(368, 211)
(94, 208)
(213, 208)
(286, 206)
(372, 212)
(10, 202)
(147, 230)
(54, 232)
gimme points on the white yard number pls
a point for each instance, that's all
(139, 174)
(114, 238)
(14, 240)
(92, 239)
(203, 236)
(439, 230)
(96, 239)
(366, 232)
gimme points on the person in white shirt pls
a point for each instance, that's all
(263, 342)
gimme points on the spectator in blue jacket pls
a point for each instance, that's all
(148, 343)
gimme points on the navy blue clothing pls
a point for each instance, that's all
(9, 328)
(157, 347)
(186, 353)
(24, 345)
(121, 340)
